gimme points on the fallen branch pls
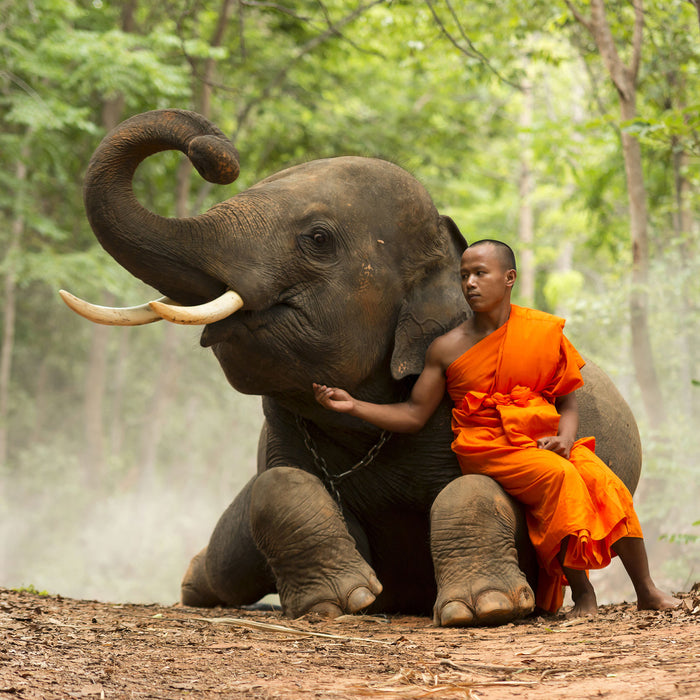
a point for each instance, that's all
(282, 629)
(471, 665)
(406, 691)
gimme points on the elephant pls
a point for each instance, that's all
(339, 271)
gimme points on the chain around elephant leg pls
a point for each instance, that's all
(316, 564)
(474, 526)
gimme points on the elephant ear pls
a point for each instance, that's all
(433, 305)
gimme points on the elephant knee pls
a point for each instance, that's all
(279, 482)
(280, 492)
(475, 500)
(288, 504)
(474, 511)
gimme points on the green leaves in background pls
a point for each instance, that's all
(500, 109)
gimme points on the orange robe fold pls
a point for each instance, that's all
(503, 389)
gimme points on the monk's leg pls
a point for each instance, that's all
(476, 534)
(582, 591)
(604, 487)
(633, 555)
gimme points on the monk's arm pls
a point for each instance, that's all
(567, 407)
(561, 443)
(406, 417)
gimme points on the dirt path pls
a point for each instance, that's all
(53, 647)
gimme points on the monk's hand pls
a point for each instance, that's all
(333, 398)
(557, 444)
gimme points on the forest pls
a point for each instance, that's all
(568, 129)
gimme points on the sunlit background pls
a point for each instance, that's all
(120, 448)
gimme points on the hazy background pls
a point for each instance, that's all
(128, 536)
(120, 448)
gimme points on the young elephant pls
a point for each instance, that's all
(343, 272)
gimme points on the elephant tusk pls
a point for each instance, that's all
(112, 316)
(221, 307)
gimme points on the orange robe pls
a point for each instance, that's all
(503, 389)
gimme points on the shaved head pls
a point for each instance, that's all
(505, 252)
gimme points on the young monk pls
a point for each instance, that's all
(512, 376)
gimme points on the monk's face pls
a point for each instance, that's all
(486, 280)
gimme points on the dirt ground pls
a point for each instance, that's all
(54, 647)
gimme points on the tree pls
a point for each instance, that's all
(491, 110)
(624, 77)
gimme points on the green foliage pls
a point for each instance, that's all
(30, 589)
(682, 538)
(440, 93)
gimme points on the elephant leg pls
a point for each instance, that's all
(231, 570)
(315, 560)
(476, 531)
(195, 589)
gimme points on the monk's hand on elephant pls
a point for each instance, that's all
(333, 398)
(557, 444)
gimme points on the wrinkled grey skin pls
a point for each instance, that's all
(347, 273)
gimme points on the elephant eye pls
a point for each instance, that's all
(317, 240)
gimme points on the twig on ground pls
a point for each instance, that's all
(282, 629)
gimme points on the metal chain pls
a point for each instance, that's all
(331, 480)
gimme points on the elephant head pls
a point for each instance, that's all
(341, 268)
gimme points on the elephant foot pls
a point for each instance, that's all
(299, 528)
(359, 599)
(454, 613)
(474, 527)
(490, 607)
(334, 597)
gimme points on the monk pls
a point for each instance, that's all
(512, 376)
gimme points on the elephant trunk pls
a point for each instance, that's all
(161, 251)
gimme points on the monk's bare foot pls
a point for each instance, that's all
(583, 594)
(585, 605)
(656, 599)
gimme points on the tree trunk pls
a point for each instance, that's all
(119, 380)
(642, 355)
(96, 379)
(564, 264)
(526, 186)
(687, 334)
(41, 400)
(9, 309)
(8, 342)
(624, 78)
(163, 394)
(94, 452)
(95, 387)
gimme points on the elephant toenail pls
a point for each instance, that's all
(325, 608)
(526, 600)
(374, 584)
(494, 607)
(456, 614)
(359, 599)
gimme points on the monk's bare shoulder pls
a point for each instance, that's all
(445, 349)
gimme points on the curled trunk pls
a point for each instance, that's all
(163, 252)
